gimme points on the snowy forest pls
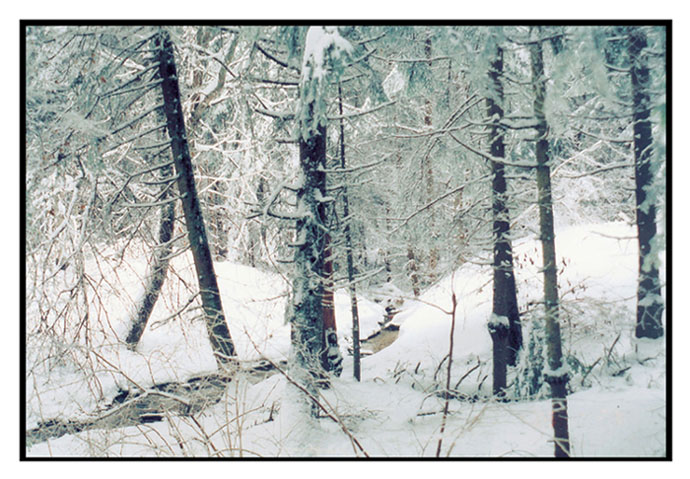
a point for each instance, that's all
(352, 241)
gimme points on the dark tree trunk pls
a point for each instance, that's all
(307, 332)
(650, 306)
(218, 231)
(159, 267)
(356, 350)
(504, 326)
(218, 332)
(556, 374)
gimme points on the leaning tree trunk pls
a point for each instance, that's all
(504, 325)
(650, 306)
(556, 374)
(218, 332)
(159, 265)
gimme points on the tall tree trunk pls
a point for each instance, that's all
(556, 374)
(650, 306)
(428, 175)
(216, 326)
(504, 325)
(356, 350)
(307, 333)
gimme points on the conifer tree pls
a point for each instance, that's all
(504, 325)
(556, 374)
(650, 305)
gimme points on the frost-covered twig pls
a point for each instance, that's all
(436, 200)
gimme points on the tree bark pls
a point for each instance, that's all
(218, 332)
(413, 270)
(331, 358)
(650, 306)
(428, 174)
(159, 268)
(307, 334)
(504, 326)
(556, 375)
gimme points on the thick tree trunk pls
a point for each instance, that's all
(556, 375)
(307, 334)
(504, 326)
(218, 332)
(650, 306)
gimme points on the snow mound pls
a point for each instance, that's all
(597, 263)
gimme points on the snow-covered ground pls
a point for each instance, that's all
(617, 406)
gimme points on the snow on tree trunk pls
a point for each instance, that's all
(428, 174)
(331, 358)
(504, 326)
(218, 332)
(556, 373)
(323, 53)
(650, 305)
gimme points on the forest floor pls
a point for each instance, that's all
(616, 406)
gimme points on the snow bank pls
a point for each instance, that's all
(597, 263)
(395, 410)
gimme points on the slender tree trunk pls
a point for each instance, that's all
(504, 326)
(160, 258)
(218, 332)
(650, 306)
(218, 231)
(356, 350)
(159, 267)
(428, 175)
(331, 358)
(257, 231)
(556, 374)
(413, 270)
